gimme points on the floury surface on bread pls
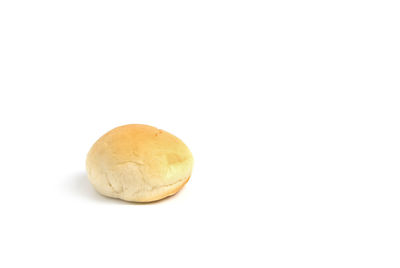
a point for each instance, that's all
(139, 163)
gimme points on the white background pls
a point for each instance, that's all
(291, 110)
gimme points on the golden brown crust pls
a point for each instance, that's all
(139, 163)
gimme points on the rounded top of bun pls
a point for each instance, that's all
(138, 163)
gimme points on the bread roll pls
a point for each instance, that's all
(139, 163)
